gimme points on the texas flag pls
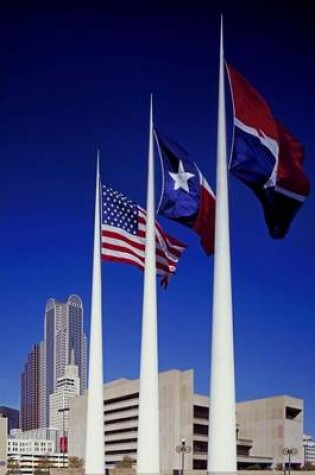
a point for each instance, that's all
(186, 196)
(266, 157)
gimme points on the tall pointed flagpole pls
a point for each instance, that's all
(148, 456)
(222, 429)
(94, 457)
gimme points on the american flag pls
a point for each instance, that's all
(123, 235)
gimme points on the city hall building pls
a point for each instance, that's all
(264, 427)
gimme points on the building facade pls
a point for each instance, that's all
(30, 390)
(68, 386)
(42, 385)
(30, 454)
(63, 333)
(43, 433)
(185, 415)
(309, 450)
(12, 415)
(273, 423)
(47, 360)
(3, 445)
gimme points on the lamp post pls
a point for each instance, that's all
(63, 410)
(183, 449)
(289, 452)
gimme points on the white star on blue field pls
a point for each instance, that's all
(181, 178)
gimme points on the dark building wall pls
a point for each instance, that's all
(13, 416)
(29, 402)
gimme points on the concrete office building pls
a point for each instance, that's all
(3, 445)
(29, 454)
(273, 423)
(309, 450)
(68, 386)
(184, 414)
(36, 434)
(12, 415)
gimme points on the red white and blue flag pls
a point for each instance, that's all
(123, 236)
(186, 196)
(266, 157)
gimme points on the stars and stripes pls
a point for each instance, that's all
(123, 235)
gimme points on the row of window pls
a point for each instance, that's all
(126, 451)
(120, 441)
(29, 444)
(121, 431)
(122, 409)
(122, 419)
(122, 398)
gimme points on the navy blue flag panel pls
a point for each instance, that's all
(186, 196)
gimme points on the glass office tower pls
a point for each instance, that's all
(63, 333)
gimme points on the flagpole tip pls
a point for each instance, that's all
(98, 153)
(221, 37)
(151, 108)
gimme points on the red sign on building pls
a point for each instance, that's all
(63, 444)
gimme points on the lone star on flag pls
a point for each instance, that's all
(181, 178)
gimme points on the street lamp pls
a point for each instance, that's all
(183, 449)
(289, 452)
(63, 410)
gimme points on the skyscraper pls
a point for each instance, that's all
(42, 385)
(30, 388)
(68, 386)
(63, 335)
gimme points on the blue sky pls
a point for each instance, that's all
(78, 76)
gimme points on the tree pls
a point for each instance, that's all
(309, 466)
(43, 467)
(126, 462)
(255, 466)
(76, 462)
(13, 467)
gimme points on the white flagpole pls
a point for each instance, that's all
(95, 449)
(222, 429)
(148, 456)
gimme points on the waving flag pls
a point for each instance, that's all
(186, 196)
(266, 157)
(123, 236)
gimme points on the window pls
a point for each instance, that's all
(121, 409)
(121, 441)
(201, 412)
(292, 412)
(126, 451)
(201, 429)
(121, 431)
(122, 419)
(200, 447)
(122, 398)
